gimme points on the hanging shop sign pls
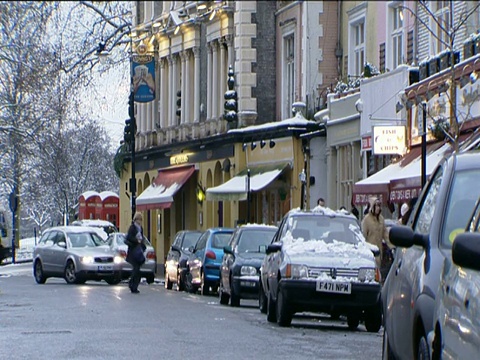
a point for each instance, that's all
(389, 140)
(143, 75)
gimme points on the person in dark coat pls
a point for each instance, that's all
(133, 240)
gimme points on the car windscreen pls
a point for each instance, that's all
(219, 240)
(326, 228)
(86, 239)
(254, 240)
(189, 240)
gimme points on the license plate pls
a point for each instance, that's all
(105, 267)
(334, 287)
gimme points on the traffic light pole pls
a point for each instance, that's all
(133, 181)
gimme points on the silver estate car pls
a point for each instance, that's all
(116, 241)
(77, 254)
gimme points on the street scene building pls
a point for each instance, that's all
(265, 106)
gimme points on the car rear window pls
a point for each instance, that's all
(252, 240)
(219, 240)
(189, 240)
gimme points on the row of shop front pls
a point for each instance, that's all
(246, 175)
(366, 143)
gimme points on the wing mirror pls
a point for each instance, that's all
(228, 250)
(176, 248)
(466, 250)
(272, 248)
(62, 244)
(404, 236)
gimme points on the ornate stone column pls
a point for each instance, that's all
(223, 77)
(209, 81)
(187, 77)
(163, 93)
(171, 95)
(215, 80)
(231, 54)
(196, 91)
(182, 77)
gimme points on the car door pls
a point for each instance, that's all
(461, 301)
(59, 252)
(44, 251)
(408, 274)
(228, 261)
(196, 261)
(274, 259)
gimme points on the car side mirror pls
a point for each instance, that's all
(376, 252)
(404, 236)
(176, 248)
(272, 248)
(228, 250)
(62, 244)
(191, 249)
(466, 250)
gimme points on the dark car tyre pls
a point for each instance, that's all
(262, 300)
(180, 283)
(353, 320)
(114, 280)
(387, 353)
(189, 287)
(373, 319)
(150, 278)
(70, 274)
(271, 309)
(40, 278)
(423, 353)
(168, 283)
(234, 298)
(204, 287)
(284, 314)
(223, 298)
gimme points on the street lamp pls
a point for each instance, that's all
(131, 126)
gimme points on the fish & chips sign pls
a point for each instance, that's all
(389, 140)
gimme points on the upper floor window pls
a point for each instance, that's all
(441, 26)
(356, 39)
(288, 75)
(359, 48)
(396, 36)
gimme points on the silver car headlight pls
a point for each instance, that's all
(118, 259)
(87, 259)
(366, 274)
(248, 270)
(296, 271)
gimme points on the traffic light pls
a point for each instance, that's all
(131, 106)
(179, 103)
(128, 133)
(230, 106)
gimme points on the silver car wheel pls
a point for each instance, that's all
(70, 275)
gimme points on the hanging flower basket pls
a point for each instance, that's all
(439, 128)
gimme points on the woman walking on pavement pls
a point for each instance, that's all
(136, 247)
(374, 229)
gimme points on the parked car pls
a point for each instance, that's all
(104, 227)
(116, 241)
(243, 256)
(203, 264)
(456, 327)
(408, 295)
(77, 254)
(319, 261)
(176, 262)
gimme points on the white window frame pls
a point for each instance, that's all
(443, 13)
(356, 17)
(395, 37)
(288, 73)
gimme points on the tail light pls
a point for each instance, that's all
(210, 254)
(122, 253)
(378, 276)
(151, 255)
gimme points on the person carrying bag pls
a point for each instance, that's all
(136, 248)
